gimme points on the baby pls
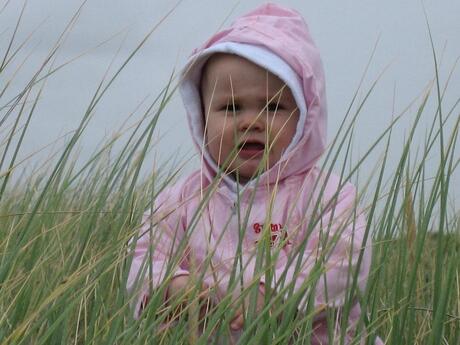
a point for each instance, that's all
(256, 106)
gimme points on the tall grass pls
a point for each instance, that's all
(65, 231)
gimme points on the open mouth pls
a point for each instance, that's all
(251, 149)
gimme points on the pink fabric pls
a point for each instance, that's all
(284, 200)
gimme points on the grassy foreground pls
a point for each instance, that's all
(64, 232)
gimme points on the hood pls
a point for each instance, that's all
(276, 38)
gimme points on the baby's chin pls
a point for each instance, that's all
(244, 170)
(246, 174)
(240, 178)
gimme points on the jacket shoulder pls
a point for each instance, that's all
(175, 195)
(326, 188)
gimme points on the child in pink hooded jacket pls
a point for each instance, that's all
(256, 107)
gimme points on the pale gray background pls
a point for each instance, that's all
(345, 31)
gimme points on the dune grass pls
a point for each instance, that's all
(65, 231)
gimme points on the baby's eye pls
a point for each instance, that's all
(273, 106)
(231, 107)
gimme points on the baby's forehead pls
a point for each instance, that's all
(223, 65)
(217, 61)
(213, 64)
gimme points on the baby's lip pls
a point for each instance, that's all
(251, 148)
(252, 144)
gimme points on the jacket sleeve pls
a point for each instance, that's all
(153, 248)
(329, 259)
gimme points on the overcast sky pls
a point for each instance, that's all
(345, 31)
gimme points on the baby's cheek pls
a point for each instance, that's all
(212, 145)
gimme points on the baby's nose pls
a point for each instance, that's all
(251, 121)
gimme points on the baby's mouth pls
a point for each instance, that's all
(251, 149)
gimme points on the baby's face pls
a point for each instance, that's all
(251, 115)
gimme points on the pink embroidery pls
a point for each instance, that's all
(274, 227)
(257, 228)
(276, 230)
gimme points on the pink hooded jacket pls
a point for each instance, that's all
(300, 206)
